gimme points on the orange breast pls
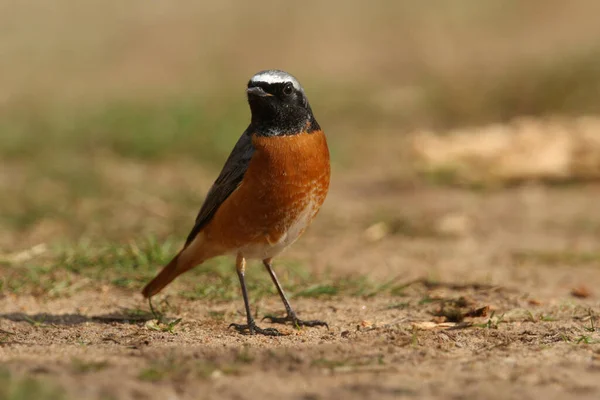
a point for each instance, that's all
(285, 185)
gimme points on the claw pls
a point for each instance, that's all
(252, 329)
(295, 321)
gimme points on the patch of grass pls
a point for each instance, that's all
(163, 326)
(318, 290)
(18, 388)
(329, 286)
(591, 332)
(34, 279)
(592, 320)
(221, 283)
(586, 339)
(414, 337)
(131, 265)
(491, 323)
(529, 316)
(126, 265)
(384, 287)
(34, 322)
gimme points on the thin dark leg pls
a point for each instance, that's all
(291, 315)
(246, 302)
(251, 328)
(286, 302)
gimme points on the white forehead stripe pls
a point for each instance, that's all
(274, 76)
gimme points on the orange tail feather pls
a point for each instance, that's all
(171, 271)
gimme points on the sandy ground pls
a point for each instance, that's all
(525, 253)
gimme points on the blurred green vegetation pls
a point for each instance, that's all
(559, 86)
(115, 129)
(19, 388)
(174, 127)
(203, 128)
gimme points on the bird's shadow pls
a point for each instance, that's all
(124, 316)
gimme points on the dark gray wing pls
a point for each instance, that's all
(230, 178)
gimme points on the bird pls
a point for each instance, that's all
(270, 189)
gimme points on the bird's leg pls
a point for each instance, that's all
(291, 315)
(251, 328)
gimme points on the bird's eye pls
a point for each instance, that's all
(288, 89)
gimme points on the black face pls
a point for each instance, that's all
(279, 109)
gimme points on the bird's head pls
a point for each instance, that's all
(279, 105)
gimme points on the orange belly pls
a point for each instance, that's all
(284, 186)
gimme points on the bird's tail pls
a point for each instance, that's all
(172, 270)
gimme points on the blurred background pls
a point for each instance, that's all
(116, 116)
(465, 143)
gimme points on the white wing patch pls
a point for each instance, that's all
(276, 76)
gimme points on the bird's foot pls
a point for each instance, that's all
(253, 329)
(291, 317)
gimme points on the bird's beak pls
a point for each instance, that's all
(257, 91)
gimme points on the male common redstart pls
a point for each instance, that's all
(270, 189)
